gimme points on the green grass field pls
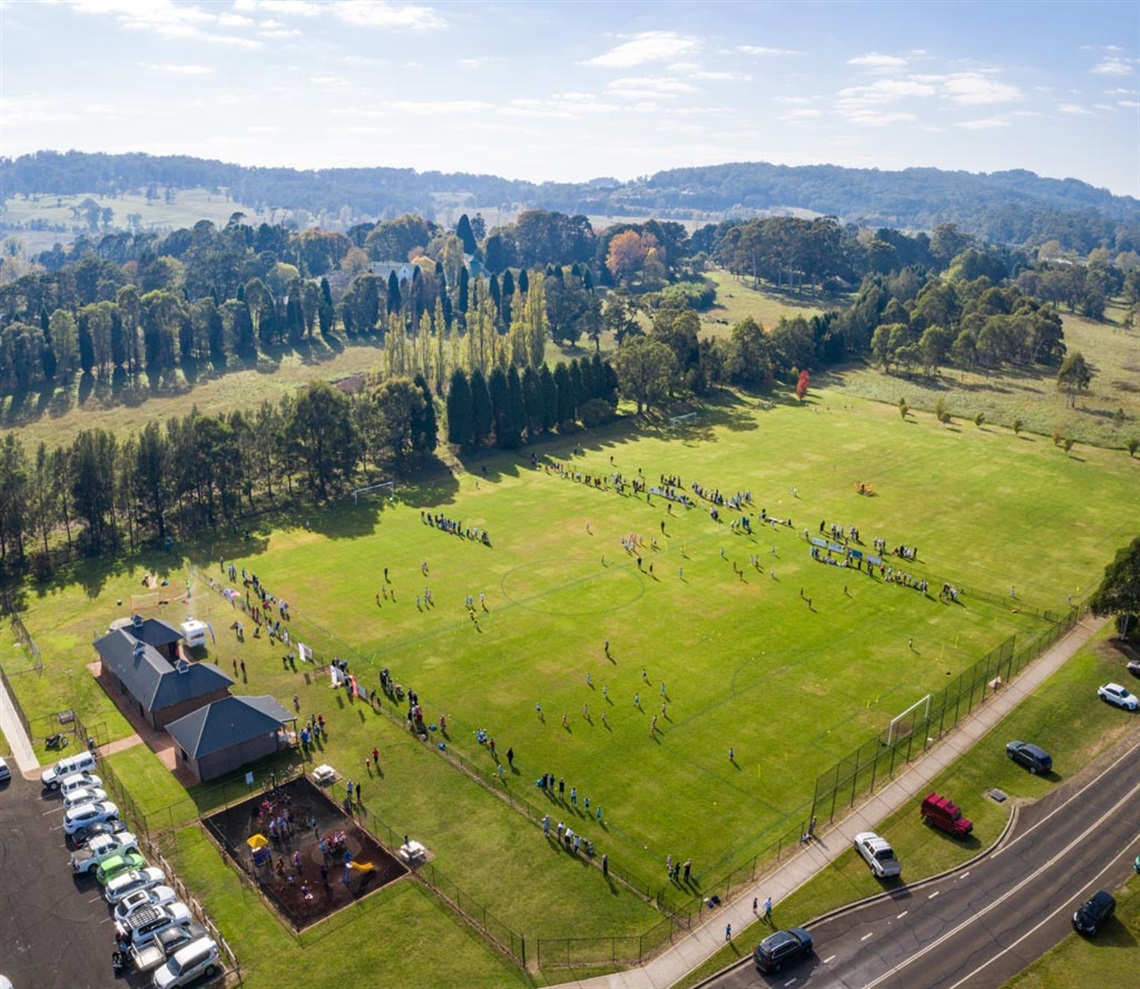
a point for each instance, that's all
(745, 661)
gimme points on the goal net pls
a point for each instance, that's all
(687, 419)
(901, 726)
(380, 491)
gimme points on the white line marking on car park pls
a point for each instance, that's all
(934, 894)
(867, 935)
(829, 960)
(901, 915)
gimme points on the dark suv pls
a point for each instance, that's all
(1032, 757)
(1091, 915)
(783, 946)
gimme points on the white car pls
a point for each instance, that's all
(144, 925)
(129, 882)
(100, 848)
(84, 814)
(878, 854)
(1113, 693)
(77, 781)
(156, 896)
(200, 957)
(84, 795)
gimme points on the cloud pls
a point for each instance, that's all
(649, 88)
(361, 13)
(178, 70)
(759, 50)
(984, 123)
(35, 110)
(178, 22)
(648, 46)
(877, 118)
(878, 63)
(1113, 64)
(1072, 108)
(975, 89)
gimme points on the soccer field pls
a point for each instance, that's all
(725, 639)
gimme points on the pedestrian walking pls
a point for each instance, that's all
(731, 754)
(755, 904)
(728, 932)
(768, 909)
(688, 868)
(376, 755)
(546, 825)
(511, 758)
(605, 861)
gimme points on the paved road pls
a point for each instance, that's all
(979, 926)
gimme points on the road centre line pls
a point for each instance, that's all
(1063, 908)
(1111, 812)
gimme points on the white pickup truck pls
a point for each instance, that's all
(99, 849)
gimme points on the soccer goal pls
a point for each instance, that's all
(384, 487)
(906, 729)
(144, 602)
(688, 419)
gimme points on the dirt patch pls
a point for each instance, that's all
(319, 836)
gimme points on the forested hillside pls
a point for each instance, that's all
(1014, 207)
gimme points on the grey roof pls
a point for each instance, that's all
(153, 631)
(226, 723)
(149, 676)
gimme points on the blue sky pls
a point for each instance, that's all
(572, 91)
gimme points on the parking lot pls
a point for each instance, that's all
(57, 930)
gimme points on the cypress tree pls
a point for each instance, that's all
(481, 407)
(460, 410)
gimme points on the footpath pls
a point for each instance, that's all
(692, 950)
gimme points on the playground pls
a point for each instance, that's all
(304, 852)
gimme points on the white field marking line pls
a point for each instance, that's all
(1056, 810)
(901, 915)
(934, 894)
(1128, 797)
(1093, 882)
(829, 959)
(867, 935)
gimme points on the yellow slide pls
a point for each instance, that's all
(363, 866)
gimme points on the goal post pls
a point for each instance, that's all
(388, 487)
(686, 419)
(924, 703)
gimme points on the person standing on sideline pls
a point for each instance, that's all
(731, 754)
(605, 863)
(688, 869)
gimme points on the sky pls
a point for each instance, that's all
(571, 91)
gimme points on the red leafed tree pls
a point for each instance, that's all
(802, 385)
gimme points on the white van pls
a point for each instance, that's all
(197, 958)
(82, 763)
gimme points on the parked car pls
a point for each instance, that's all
(1032, 757)
(5, 772)
(939, 812)
(127, 883)
(89, 832)
(144, 925)
(156, 896)
(1113, 693)
(878, 854)
(116, 865)
(200, 957)
(77, 781)
(85, 814)
(1134, 667)
(1094, 912)
(84, 795)
(84, 762)
(776, 950)
(167, 942)
(99, 849)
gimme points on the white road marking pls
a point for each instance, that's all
(901, 915)
(964, 874)
(789, 982)
(1061, 909)
(865, 936)
(934, 894)
(829, 960)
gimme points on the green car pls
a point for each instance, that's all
(116, 865)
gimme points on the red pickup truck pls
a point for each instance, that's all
(939, 812)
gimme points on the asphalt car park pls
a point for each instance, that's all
(58, 931)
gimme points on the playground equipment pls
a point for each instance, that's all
(362, 866)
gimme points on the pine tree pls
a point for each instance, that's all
(460, 410)
(464, 232)
(393, 293)
(481, 407)
(549, 398)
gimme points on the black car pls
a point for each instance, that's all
(84, 835)
(1096, 911)
(1134, 667)
(1032, 757)
(782, 947)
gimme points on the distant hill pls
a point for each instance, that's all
(1013, 207)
